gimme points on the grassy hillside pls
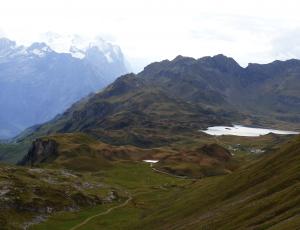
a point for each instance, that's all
(209, 160)
(197, 156)
(261, 195)
(78, 151)
(59, 198)
(29, 195)
(264, 194)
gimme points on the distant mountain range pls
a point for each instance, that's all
(183, 96)
(39, 81)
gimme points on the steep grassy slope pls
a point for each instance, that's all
(262, 195)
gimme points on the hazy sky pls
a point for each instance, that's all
(152, 30)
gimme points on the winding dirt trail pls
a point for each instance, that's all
(101, 214)
(168, 174)
(127, 201)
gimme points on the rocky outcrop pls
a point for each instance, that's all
(216, 151)
(41, 151)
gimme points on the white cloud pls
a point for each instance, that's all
(151, 30)
(1, 33)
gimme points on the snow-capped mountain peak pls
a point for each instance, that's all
(77, 53)
(75, 45)
(9, 49)
(78, 46)
(49, 76)
(39, 49)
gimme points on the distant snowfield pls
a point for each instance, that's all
(151, 161)
(239, 130)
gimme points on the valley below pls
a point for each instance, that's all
(81, 183)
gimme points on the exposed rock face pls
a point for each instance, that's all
(40, 151)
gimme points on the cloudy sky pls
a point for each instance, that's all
(151, 30)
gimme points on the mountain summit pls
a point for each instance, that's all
(37, 82)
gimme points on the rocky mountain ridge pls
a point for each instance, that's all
(187, 94)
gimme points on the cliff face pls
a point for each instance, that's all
(40, 151)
